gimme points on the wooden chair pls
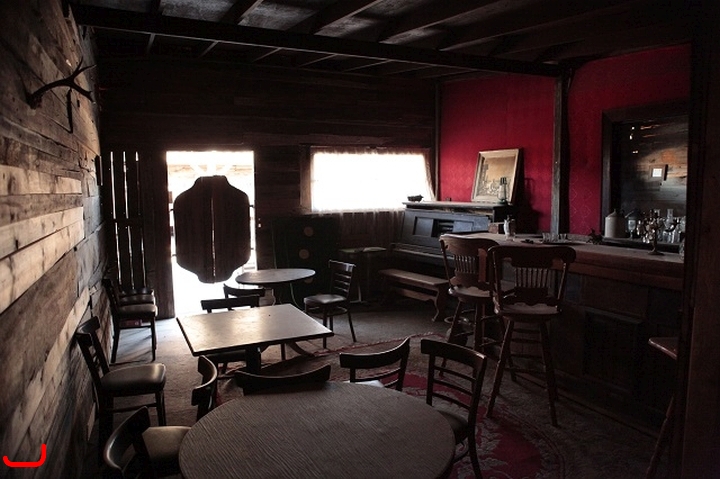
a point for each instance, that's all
(128, 314)
(532, 300)
(468, 271)
(221, 360)
(126, 381)
(245, 290)
(155, 449)
(256, 383)
(455, 377)
(204, 395)
(380, 366)
(337, 301)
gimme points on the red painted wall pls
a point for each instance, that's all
(517, 111)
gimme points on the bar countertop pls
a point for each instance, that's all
(631, 265)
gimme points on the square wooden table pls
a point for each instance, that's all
(249, 329)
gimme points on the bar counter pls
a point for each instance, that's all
(616, 298)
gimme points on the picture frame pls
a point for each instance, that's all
(491, 166)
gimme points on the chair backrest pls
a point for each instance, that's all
(244, 291)
(538, 273)
(87, 338)
(378, 366)
(209, 305)
(449, 378)
(204, 395)
(125, 452)
(254, 383)
(341, 277)
(466, 260)
(113, 292)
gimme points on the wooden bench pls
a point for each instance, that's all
(417, 286)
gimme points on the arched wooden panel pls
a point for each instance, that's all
(212, 229)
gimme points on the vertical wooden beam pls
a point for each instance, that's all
(559, 208)
(696, 442)
(156, 228)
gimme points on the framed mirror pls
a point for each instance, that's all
(645, 159)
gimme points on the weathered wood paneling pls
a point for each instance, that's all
(51, 232)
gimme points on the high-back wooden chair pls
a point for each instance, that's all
(256, 383)
(337, 300)
(126, 381)
(384, 368)
(137, 449)
(454, 382)
(469, 273)
(527, 301)
(130, 312)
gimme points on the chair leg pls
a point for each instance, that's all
(504, 356)
(472, 451)
(160, 406)
(456, 335)
(116, 342)
(105, 426)
(663, 439)
(352, 330)
(551, 384)
(325, 323)
(153, 337)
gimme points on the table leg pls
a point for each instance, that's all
(252, 360)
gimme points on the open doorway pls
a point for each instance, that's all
(184, 167)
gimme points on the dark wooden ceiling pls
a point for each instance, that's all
(437, 39)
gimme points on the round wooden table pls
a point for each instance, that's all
(333, 430)
(276, 279)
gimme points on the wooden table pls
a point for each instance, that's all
(249, 329)
(277, 279)
(333, 430)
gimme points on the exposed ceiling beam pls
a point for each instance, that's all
(242, 35)
(331, 14)
(234, 15)
(431, 15)
(534, 17)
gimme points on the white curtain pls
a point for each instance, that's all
(362, 179)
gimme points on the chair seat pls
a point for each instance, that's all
(134, 380)
(163, 446)
(139, 309)
(376, 383)
(324, 300)
(469, 294)
(457, 422)
(136, 299)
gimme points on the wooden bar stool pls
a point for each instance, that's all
(527, 305)
(668, 346)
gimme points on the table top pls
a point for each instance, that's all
(266, 277)
(226, 331)
(337, 430)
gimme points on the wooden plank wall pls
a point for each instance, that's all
(51, 237)
(180, 105)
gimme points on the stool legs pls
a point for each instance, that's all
(663, 439)
(506, 362)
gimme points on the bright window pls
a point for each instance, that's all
(367, 180)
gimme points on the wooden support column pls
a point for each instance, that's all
(696, 438)
(560, 209)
